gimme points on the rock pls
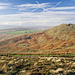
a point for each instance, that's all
(52, 71)
(58, 60)
(11, 62)
(49, 58)
(43, 58)
(2, 61)
(3, 57)
(73, 66)
(60, 70)
(40, 61)
(4, 67)
(73, 63)
(35, 63)
(61, 64)
(23, 71)
(54, 59)
(17, 62)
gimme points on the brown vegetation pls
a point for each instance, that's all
(60, 39)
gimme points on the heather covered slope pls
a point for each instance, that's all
(60, 39)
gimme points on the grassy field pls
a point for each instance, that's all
(22, 32)
(12, 34)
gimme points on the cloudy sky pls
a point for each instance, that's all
(36, 12)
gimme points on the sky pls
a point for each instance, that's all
(15, 13)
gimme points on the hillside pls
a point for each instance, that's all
(60, 39)
(16, 32)
(64, 31)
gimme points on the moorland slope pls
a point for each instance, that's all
(60, 39)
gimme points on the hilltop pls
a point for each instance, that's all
(60, 39)
(63, 31)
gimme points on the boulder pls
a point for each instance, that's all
(60, 70)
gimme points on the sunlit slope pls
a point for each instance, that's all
(64, 31)
(60, 39)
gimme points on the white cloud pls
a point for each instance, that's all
(41, 18)
(61, 8)
(47, 17)
(35, 5)
(4, 5)
(65, 8)
(57, 4)
(29, 6)
(43, 6)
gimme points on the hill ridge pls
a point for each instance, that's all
(60, 39)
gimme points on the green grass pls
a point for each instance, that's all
(37, 55)
(22, 32)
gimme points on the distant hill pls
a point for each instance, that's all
(60, 39)
(25, 28)
(16, 32)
